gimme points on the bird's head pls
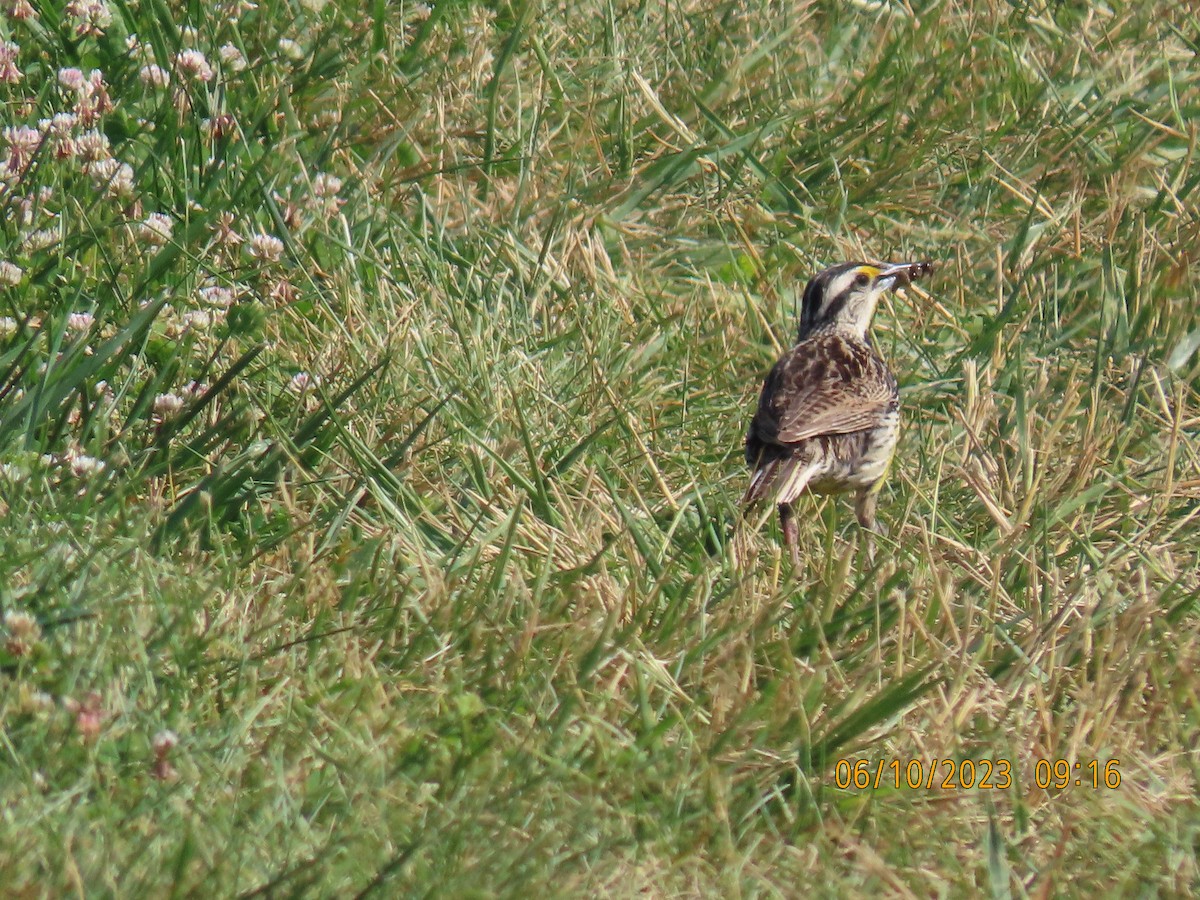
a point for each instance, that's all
(844, 296)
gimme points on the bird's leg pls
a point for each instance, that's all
(864, 508)
(791, 532)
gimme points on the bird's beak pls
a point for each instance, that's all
(901, 274)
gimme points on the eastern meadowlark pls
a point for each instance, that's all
(829, 415)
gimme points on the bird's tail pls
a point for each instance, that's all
(781, 480)
(761, 481)
(778, 480)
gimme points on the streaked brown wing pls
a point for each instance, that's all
(826, 385)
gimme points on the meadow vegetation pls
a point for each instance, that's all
(373, 378)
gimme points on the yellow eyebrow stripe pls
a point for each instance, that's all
(873, 271)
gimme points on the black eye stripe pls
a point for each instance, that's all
(834, 305)
(827, 296)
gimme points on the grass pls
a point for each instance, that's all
(367, 523)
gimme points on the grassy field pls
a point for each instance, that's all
(373, 378)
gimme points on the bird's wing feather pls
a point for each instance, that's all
(825, 385)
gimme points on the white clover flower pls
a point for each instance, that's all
(10, 275)
(291, 49)
(167, 406)
(223, 231)
(95, 82)
(326, 185)
(91, 16)
(193, 64)
(170, 320)
(9, 73)
(113, 176)
(8, 326)
(218, 127)
(23, 143)
(72, 79)
(25, 212)
(65, 146)
(84, 466)
(324, 197)
(282, 291)
(164, 742)
(156, 230)
(18, 10)
(43, 239)
(155, 76)
(79, 322)
(265, 246)
(220, 297)
(93, 101)
(196, 320)
(22, 136)
(92, 146)
(232, 58)
(327, 119)
(59, 125)
(302, 381)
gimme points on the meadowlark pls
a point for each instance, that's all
(828, 417)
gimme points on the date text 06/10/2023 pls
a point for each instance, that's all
(968, 774)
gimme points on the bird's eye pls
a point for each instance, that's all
(861, 280)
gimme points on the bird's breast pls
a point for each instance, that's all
(858, 460)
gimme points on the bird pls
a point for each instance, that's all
(828, 416)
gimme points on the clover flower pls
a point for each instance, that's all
(91, 17)
(154, 76)
(266, 247)
(156, 230)
(9, 73)
(232, 58)
(167, 406)
(9, 275)
(192, 64)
